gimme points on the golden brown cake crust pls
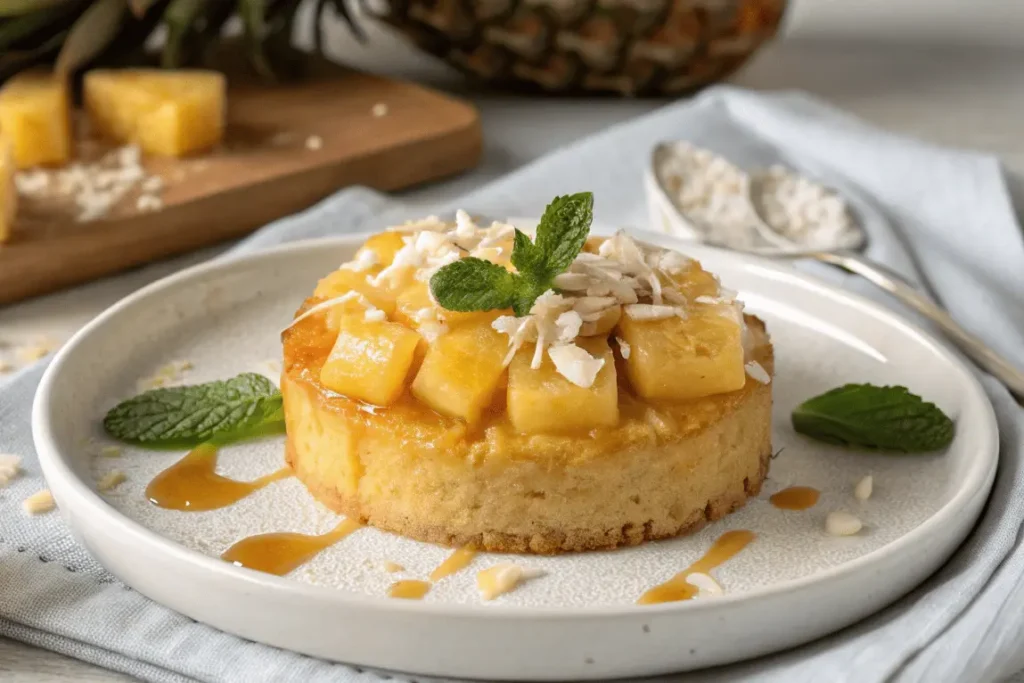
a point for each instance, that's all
(665, 470)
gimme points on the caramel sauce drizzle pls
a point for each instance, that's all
(409, 589)
(281, 553)
(193, 485)
(414, 590)
(455, 562)
(795, 498)
(677, 588)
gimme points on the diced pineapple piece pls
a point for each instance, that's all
(680, 359)
(695, 282)
(165, 112)
(8, 193)
(543, 401)
(370, 360)
(462, 370)
(384, 245)
(343, 281)
(35, 117)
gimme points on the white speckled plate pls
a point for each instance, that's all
(579, 621)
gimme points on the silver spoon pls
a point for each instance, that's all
(847, 258)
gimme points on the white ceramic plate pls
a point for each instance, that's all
(579, 621)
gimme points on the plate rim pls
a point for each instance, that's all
(57, 471)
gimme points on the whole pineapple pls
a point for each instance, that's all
(629, 47)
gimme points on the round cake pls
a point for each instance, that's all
(630, 401)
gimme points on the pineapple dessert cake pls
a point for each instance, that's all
(470, 385)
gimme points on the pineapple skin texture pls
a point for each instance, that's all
(35, 117)
(8, 193)
(166, 113)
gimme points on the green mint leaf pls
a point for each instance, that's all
(889, 418)
(526, 256)
(563, 230)
(527, 292)
(472, 284)
(181, 417)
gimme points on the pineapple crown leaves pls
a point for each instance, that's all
(472, 284)
(75, 34)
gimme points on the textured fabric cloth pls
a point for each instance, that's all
(941, 217)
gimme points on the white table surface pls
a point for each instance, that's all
(960, 97)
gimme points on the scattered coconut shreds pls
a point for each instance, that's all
(10, 466)
(864, 488)
(431, 330)
(374, 315)
(39, 502)
(330, 303)
(393, 567)
(623, 347)
(705, 583)
(757, 372)
(364, 260)
(149, 202)
(502, 578)
(652, 312)
(839, 523)
(111, 480)
(111, 452)
(96, 188)
(314, 142)
(29, 353)
(575, 364)
(379, 110)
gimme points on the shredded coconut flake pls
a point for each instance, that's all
(841, 523)
(502, 578)
(111, 480)
(864, 488)
(330, 303)
(757, 372)
(314, 142)
(651, 312)
(575, 364)
(10, 466)
(623, 347)
(39, 502)
(364, 260)
(430, 331)
(705, 583)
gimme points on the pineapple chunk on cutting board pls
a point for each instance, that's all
(8, 193)
(462, 370)
(35, 118)
(543, 401)
(370, 360)
(167, 113)
(685, 358)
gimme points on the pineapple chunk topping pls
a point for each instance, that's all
(642, 296)
(35, 116)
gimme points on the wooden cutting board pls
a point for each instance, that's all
(285, 148)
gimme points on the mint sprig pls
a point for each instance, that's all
(182, 417)
(889, 418)
(472, 284)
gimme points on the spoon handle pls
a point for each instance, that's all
(974, 347)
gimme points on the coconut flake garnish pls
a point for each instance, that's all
(705, 583)
(374, 315)
(575, 364)
(330, 303)
(430, 331)
(624, 347)
(757, 372)
(364, 260)
(652, 312)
